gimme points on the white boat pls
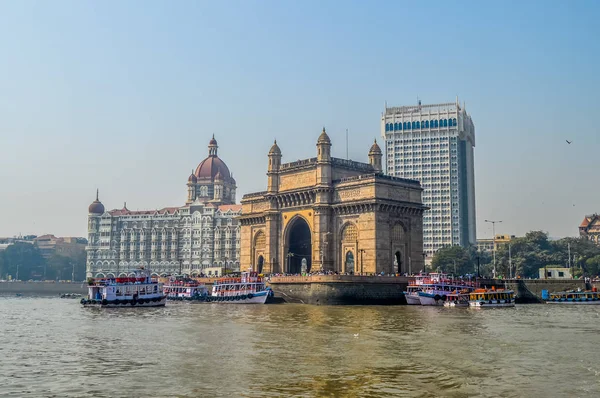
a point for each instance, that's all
(249, 289)
(484, 298)
(136, 291)
(412, 295)
(437, 293)
(575, 297)
(416, 285)
(457, 299)
(185, 290)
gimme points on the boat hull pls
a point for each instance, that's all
(137, 304)
(429, 299)
(597, 302)
(487, 304)
(412, 299)
(456, 304)
(257, 298)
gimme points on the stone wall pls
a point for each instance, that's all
(42, 288)
(340, 290)
(530, 290)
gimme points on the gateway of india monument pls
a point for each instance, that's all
(330, 214)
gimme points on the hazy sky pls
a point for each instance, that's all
(124, 96)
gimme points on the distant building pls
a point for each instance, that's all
(590, 228)
(65, 246)
(487, 245)
(186, 239)
(555, 273)
(434, 145)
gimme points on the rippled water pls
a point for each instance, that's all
(54, 348)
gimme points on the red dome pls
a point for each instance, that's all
(210, 166)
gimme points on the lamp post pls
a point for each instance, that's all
(510, 263)
(73, 272)
(493, 222)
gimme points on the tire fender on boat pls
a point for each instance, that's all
(436, 297)
(250, 295)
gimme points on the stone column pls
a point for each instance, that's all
(273, 233)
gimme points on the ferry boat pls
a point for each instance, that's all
(457, 299)
(437, 293)
(139, 290)
(249, 289)
(578, 297)
(412, 290)
(185, 290)
(481, 298)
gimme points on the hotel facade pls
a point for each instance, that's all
(203, 233)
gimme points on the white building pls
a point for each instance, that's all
(434, 144)
(175, 240)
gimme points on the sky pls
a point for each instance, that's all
(124, 96)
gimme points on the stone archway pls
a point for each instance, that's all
(259, 264)
(299, 246)
(348, 246)
(398, 261)
(349, 262)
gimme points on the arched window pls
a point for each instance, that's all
(441, 122)
(436, 123)
(399, 126)
(454, 122)
(413, 125)
(418, 125)
(387, 127)
(395, 126)
(426, 123)
(404, 126)
(445, 122)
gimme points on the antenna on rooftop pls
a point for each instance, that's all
(347, 144)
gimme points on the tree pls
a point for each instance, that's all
(592, 266)
(454, 260)
(24, 258)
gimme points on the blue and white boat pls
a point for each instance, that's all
(249, 289)
(437, 293)
(139, 290)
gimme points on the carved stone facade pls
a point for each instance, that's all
(330, 214)
(189, 239)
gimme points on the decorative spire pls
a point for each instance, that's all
(97, 191)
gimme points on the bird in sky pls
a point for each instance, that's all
(568, 142)
(356, 335)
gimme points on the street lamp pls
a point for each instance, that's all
(493, 222)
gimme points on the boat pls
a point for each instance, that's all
(483, 298)
(250, 288)
(140, 290)
(437, 293)
(185, 290)
(457, 299)
(577, 297)
(416, 285)
(412, 294)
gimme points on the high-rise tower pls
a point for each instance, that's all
(434, 144)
